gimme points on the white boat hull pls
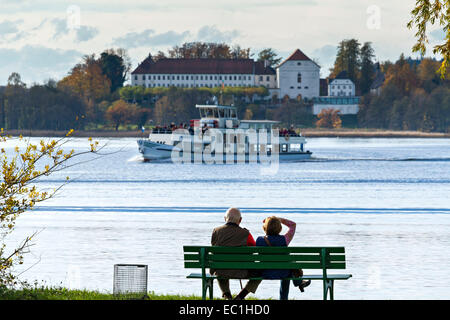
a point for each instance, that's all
(153, 151)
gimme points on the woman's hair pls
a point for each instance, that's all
(272, 226)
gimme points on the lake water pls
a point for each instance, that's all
(386, 200)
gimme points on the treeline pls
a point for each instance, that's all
(413, 97)
(212, 50)
(79, 100)
(93, 96)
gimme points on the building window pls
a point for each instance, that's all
(268, 78)
(299, 78)
(235, 78)
(135, 77)
(299, 63)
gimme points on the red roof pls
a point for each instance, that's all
(297, 55)
(202, 66)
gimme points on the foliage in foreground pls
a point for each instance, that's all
(20, 172)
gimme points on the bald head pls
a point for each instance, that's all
(233, 215)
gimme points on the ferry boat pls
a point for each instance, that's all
(162, 144)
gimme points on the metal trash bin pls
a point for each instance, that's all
(130, 278)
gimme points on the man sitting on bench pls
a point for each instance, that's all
(232, 235)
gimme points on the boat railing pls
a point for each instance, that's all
(191, 131)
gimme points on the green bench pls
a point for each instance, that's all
(306, 258)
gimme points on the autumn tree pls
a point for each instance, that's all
(329, 118)
(87, 80)
(402, 76)
(121, 112)
(424, 14)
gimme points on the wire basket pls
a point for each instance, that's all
(130, 278)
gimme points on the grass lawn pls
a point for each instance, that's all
(48, 293)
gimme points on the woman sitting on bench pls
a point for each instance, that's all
(272, 228)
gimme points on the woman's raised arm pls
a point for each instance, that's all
(291, 232)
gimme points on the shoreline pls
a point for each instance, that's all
(308, 133)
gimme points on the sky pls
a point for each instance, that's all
(43, 39)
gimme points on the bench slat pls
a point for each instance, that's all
(196, 249)
(305, 277)
(262, 258)
(272, 265)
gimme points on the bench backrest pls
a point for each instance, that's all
(264, 257)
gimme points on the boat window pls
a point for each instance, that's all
(221, 113)
(284, 147)
(295, 147)
(233, 113)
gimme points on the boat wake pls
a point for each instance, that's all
(324, 159)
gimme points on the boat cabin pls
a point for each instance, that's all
(217, 116)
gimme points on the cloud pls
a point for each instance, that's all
(86, 33)
(37, 63)
(149, 37)
(16, 6)
(213, 34)
(60, 28)
(325, 57)
(9, 30)
(81, 33)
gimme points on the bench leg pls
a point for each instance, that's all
(204, 288)
(328, 286)
(211, 286)
(207, 284)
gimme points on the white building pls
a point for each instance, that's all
(297, 76)
(190, 73)
(341, 88)
(341, 96)
(346, 105)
